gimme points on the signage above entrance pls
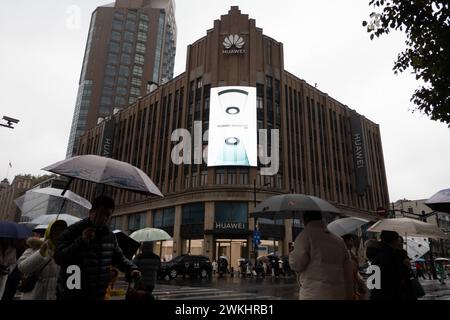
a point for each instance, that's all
(233, 44)
(231, 227)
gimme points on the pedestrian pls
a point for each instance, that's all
(214, 266)
(14, 277)
(440, 271)
(406, 273)
(92, 247)
(149, 264)
(322, 262)
(387, 259)
(7, 261)
(419, 270)
(371, 246)
(359, 287)
(38, 260)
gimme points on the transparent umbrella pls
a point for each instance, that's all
(38, 202)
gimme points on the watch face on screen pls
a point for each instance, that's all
(232, 131)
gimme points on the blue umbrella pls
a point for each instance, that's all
(13, 230)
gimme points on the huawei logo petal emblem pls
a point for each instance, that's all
(233, 40)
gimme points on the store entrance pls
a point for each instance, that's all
(233, 249)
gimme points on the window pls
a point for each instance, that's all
(115, 35)
(143, 26)
(132, 100)
(110, 70)
(164, 218)
(122, 81)
(114, 47)
(193, 213)
(144, 17)
(131, 16)
(127, 47)
(107, 101)
(135, 91)
(232, 176)
(231, 212)
(138, 71)
(117, 25)
(119, 101)
(107, 91)
(108, 81)
(119, 15)
(129, 36)
(140, 48)
(199, 83)
(219, 176)
(113, 58)
(136, 82)
(142, 36)
(136, 222)
(121, 90)
(125, 59)
(130, 26)
(124, 71)
(139, 59)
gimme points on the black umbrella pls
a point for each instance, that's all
(440, 201)
(128, 245)
(291, 206)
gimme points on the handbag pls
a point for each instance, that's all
(28, 283)
(137, 292)
(417, 288)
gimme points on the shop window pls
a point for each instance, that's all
(231, 212)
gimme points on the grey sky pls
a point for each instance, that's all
(324, 43)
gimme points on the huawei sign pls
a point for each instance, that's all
(233, 40)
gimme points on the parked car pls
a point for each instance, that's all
(186, 265)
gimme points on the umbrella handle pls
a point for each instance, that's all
(63, 193)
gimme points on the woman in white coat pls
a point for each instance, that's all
(38, 258)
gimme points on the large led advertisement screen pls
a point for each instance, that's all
(232, 139)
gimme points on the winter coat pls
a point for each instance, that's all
(387, 259)
(32, 262)
(7, 264)
(93, 258)
(323, 264)
(149, 264)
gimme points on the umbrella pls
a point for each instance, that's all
(37, 202)
(127, 244)
(49, 218)
(291, 206)
(223, 257)
(408, 227)
(106, 171)
(150, 234)
(416, 247)
(345, 226)
(440, 201)
(442, 259)
(13, 230)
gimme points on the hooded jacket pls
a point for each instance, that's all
(93, 259)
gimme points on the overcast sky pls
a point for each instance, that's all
(42, 51)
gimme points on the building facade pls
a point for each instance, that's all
(324, 149)
(130, 43)
(10, 192)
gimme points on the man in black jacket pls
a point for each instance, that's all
(93, 248)
(387, 259)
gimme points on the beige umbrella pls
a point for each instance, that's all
(409, 227)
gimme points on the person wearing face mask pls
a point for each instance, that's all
(38, 259)
(90, 247)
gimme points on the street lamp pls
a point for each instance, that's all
(255, 220)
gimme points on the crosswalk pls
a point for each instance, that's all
(170, 292)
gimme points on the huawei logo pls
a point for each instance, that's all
(233, 40)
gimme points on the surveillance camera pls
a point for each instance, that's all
(10, 119)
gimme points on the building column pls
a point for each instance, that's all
(208, 239)
(177, 241)
(149, 219)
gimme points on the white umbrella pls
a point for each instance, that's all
(105, 171)
(409, 227)
(38, 202)
(345, 226)
(150, 234)
(416, 247)
(223, 257)
(49, 218)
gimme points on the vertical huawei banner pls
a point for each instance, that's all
(232, 127)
